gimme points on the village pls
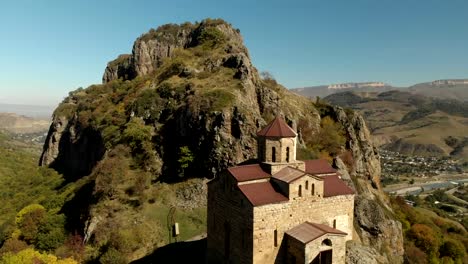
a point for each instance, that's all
(397, 167)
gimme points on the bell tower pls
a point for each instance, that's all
(277, 146)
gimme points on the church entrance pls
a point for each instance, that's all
(324, 257)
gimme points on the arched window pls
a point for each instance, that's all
(287, 154)
(275, 237)
(327, 242)
(307, 185)
(273, 154)
(300, 191)
(313, 189)
(334, 223)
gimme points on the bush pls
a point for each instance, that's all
(424, 237)
(136, 133)
(112, 256)
(453, 249)
(29, 255)
(330, 139)
(109, 173)
(30, 224)
(211, 37)
(13, 245)
(185, 159)
(414, 255)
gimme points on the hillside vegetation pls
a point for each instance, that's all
(430, 237)
(32, 198)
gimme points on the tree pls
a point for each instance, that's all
(425, 238)
(185, 159)
(453, 249)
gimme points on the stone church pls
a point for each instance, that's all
(281, 210)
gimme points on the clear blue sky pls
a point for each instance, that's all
(48, 48)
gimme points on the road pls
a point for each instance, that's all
(418, 188)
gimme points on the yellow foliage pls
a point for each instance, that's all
(30, 256)
(27, 209)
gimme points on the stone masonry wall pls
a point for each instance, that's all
(284, 216)
(228, 212)
(338, 248)
(298, 254)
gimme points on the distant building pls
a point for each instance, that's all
(281, 210)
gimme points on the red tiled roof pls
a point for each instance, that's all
(248, 172)
(262, 193)
(318, 166)
(333, 186)
(277, 128)
(307, 232)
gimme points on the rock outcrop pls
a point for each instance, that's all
(194, 86)
(150, 49)
(374, 221)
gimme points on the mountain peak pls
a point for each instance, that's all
(151, 48)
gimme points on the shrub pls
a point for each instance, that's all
(136, 133)
(414, 255)
(453, 249)
(330, 139)
(112, 256)
(29, 255)
(13, 245)
(211, 37)
(109, 173)
(170, 68)
(424, 237)
(30, 224)
(185, 159)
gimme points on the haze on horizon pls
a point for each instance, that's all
(51, 49)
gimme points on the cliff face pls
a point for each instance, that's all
(373, 216)
(194, 87)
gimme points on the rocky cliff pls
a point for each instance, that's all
(374, 221)
(188, 103)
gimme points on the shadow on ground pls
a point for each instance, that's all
(180, 252)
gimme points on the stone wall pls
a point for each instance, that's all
(306, 184)
(284, 216)
(338, 246)
(282, 146)
(228, 212)
(298, 253)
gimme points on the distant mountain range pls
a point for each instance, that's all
(15, 123)
(411, 123)
(33, 111)
(442, 89)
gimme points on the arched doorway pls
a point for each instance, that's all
(326, 256)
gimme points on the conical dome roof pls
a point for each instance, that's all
(277, 128)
